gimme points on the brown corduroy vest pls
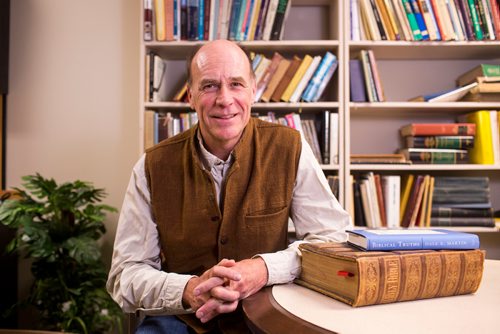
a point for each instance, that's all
(194, 233)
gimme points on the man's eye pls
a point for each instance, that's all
(209, 87)
(237, 84)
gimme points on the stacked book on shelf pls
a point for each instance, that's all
(425, 20)
(198, 20)
(462, 201)
(479, 84)
(438, 143)
(487, 80)
(387, 266)
(303, 79)
(364, 78)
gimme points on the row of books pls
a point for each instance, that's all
(391, 201)
(320, 133)
(292, 80)
(365, 82)
(424, 20)
(160, 126)
(197, 20)
(479, 84)
(278, 79)
(474, 139)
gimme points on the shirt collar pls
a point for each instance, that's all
(208, 159)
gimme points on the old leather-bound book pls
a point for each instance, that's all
(361, 278)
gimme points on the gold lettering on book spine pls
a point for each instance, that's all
(369, 273)
(392, 283)
(411, 276)
(433, 269)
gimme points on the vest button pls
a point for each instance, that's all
(223, 240)
(215, 218)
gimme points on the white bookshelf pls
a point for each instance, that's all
(407, 69)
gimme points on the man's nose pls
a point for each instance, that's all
(224, 96)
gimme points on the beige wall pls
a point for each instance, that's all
(72, 108)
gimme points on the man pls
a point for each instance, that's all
(205, 217)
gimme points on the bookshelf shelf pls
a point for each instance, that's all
(416, 168)
(399, 50)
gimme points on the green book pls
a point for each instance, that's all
(481, 70)
(475, 20)
(417, 35)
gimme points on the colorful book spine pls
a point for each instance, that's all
(415, 29)
(324, 83)
(478, 31)
(356, 81)
(148, 21)
(482, 152)
(420, 20)
(301, 70)
(450, 142)
(436, 156)
(439, 129)
(279, 20)
(412, 240)
(312, 87)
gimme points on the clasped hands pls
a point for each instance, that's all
(221, 287)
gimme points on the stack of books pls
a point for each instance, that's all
(365, 82)
(424, 20)
(462, 201)
(487, 79)
(169, 20)
(387, 266)
(438, 143)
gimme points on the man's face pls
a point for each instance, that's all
(222, 91)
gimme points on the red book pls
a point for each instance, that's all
(436, 129)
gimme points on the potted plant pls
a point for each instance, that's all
(58, 228)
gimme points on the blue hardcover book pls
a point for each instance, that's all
(313, 85)
(201, 19)
(357, 81)
(235, 16)
(192, 19)
(420, 20)
(411, 239)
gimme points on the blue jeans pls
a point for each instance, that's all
(162, 325)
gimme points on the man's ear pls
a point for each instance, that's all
(190, 97)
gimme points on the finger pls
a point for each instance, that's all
(213, 308)
(226, 263)
(225, 294)
(208, 285)
(225, 272)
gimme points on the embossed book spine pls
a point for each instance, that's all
(361, 278)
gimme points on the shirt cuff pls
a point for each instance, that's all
(282, 267)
